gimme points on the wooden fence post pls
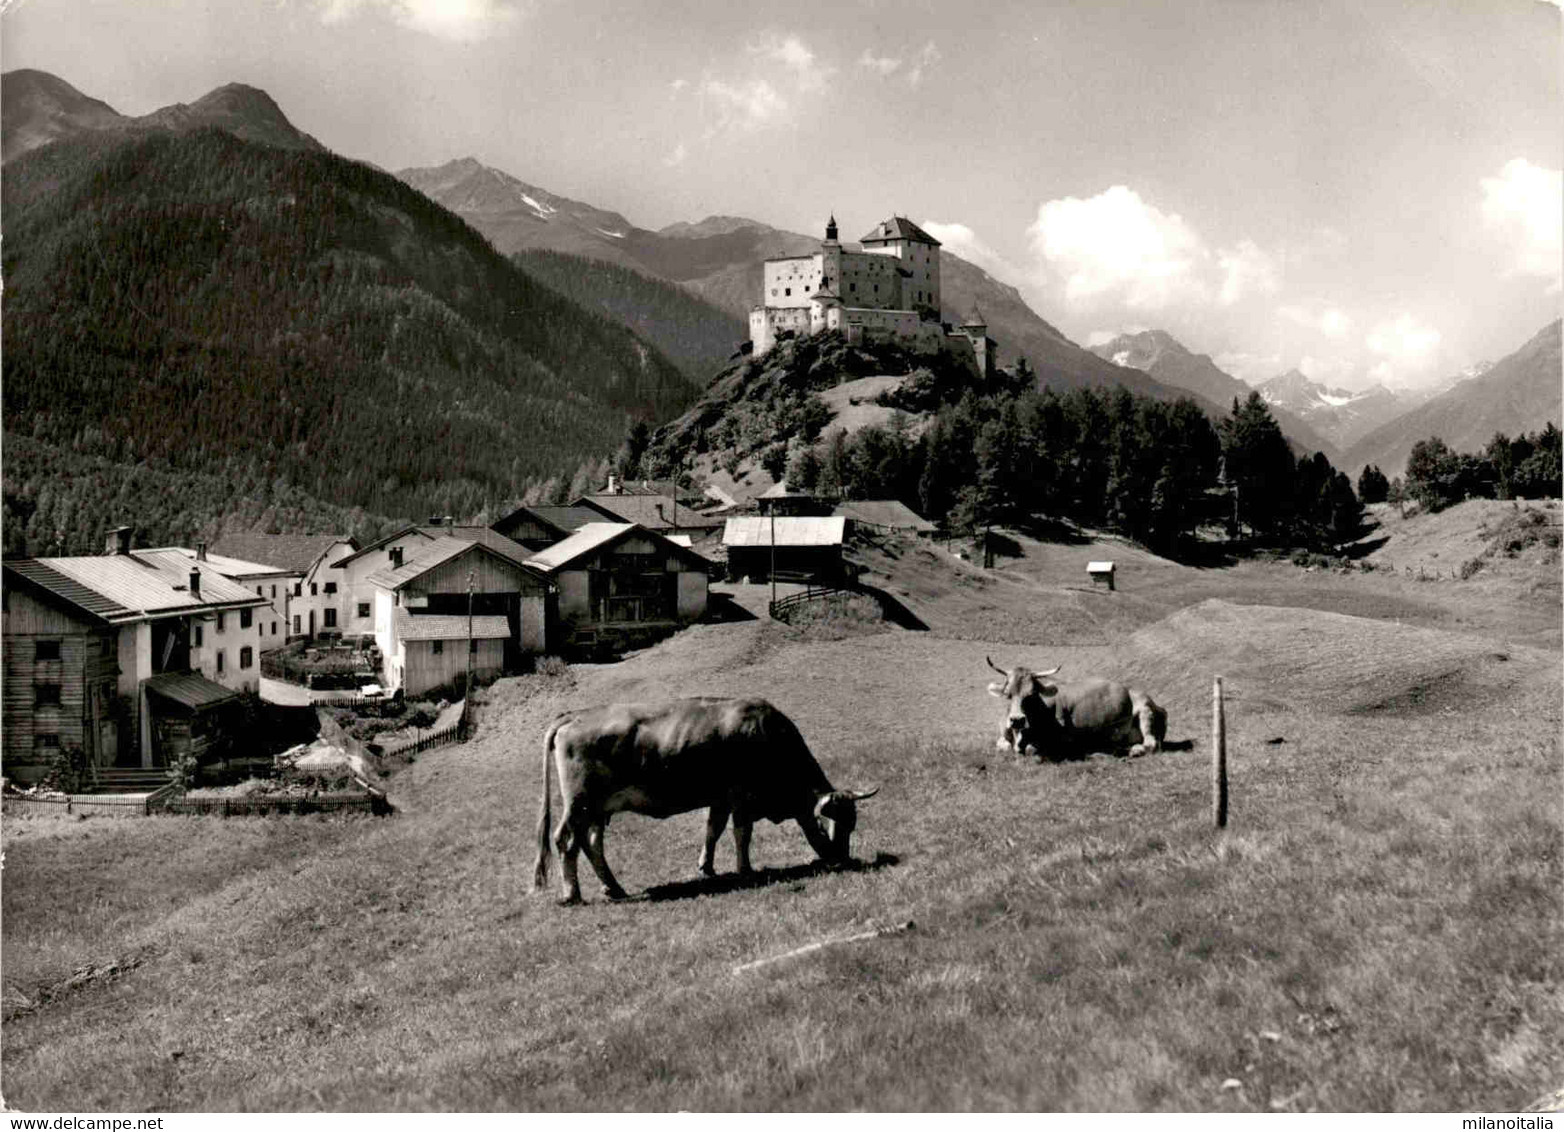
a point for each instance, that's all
(1218, 757)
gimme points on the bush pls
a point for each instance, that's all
(1470, 567)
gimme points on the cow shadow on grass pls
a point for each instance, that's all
(760, 878)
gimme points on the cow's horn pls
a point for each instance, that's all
(1050, 672)
(997, 669)
(860, 795)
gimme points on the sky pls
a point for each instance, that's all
(1367, 190)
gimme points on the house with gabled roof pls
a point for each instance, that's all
(424, 608)
(310, 584)
(106, 653)
(617, 580)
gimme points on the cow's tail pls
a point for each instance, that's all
(540, 870)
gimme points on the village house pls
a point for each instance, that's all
(309, 586)
(887, 288)
(621, 582)
(656, 507)
(274, 583)
(129, 656)
(421, 612)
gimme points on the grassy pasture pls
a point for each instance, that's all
(1379, 928)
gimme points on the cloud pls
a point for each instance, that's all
(1524, 205)
(1247, 270)
(677, 156)
(745, 107)
(1330, 372)
(880, 64)
(1117, 246)
(1405, 345)
(796, 58)
(1250, 368)
(1330, 322)
(922, 61)
(459, 21)
(962, 241)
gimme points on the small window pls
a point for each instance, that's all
(219, 660)
(260, 591)
(789, 290)
(47, 740)
(363, 609)
(298, 589)
(274, 628)
(472, 645)
(246, 618)
(314, 589)
(331, 587)
(48, 695)
(220, 622)
(47, 650)
(274, 593)
(197, 636)
(297, 623)
(439, 647)
(331, 618)
(108, 646)
(246, 657)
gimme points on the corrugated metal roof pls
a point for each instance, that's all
(223, 564)
(791, 530)
(126, 587)
(448, 626)
(294, 553)
(588, 538)
(430, 556)
(190, 690)
(883, 513)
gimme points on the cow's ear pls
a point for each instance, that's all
(997, 689)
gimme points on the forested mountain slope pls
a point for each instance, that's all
(204, 304)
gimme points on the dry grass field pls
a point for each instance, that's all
(1378, 929)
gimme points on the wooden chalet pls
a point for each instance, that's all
(504, 590)
(619, 582)
(85, 639)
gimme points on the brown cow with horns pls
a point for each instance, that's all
(1051, 718)
(742, 758)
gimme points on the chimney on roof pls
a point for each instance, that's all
(613, 484)
(200, 552)
(118, 540)
(195, 581)
(396, 557)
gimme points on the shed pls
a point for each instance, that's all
(433, 649)
(189, 714)
(1101, 573)
(806, 547)
(884, 515)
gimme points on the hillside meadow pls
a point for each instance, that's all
(1378, 929)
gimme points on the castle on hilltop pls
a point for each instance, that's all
(890, 289)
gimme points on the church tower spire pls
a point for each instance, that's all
(830, 229)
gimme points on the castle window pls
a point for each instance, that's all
(790, 290)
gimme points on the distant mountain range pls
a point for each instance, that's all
(1166, 359)
(37, 108)
(1517, 394)
(1339, 414)
(721, 260)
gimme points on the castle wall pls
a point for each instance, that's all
(791, 282)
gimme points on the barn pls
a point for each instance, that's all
(807, 549)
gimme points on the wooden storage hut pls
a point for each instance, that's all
(807, 549)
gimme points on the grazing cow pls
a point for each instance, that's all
(1054, 718)
(742, 758)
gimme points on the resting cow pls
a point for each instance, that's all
(742, 758)
(1056, 718)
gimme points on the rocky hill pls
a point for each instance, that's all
(721, 260)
